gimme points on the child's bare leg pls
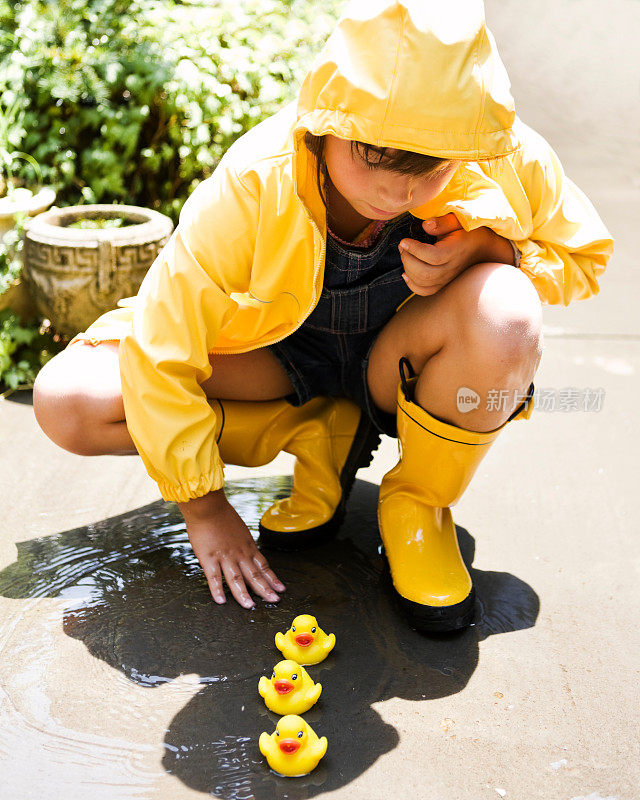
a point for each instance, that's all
(482, 331)
(77, 401)
(77, 398)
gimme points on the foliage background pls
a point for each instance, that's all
(135, 101)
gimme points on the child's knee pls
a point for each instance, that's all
(63, 409)
(506, 323)
(54, 407)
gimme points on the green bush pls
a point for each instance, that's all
(135, 101)
(24, 349)
(11, 254)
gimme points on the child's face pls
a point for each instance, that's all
(378, 193)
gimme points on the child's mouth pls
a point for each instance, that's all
(382, 212)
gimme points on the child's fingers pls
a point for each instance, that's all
(423, 291)
(257, 581)
(269, 574)
(426, 253)
(419, 290)
(214, 579)
(423, 279)
(443, 226)
(235, 582)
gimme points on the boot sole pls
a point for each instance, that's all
(433, 619)
(439, 619)
(365, 443)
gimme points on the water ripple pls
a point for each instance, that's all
(118, 669)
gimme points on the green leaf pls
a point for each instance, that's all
(145, 95)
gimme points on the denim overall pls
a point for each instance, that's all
(363, 287)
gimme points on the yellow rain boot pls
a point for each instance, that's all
(437, 462)
(331, 439)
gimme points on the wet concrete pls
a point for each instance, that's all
(134, 595)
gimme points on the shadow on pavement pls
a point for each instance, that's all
(138, 601)
(23, 397)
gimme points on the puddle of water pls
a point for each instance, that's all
(107, 620)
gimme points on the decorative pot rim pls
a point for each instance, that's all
(32, 204)
(145, 222)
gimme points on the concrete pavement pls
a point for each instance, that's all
(119, 679)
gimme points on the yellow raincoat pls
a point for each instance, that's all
(244, 267)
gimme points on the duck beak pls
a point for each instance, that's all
(283, 687)
(289, 746)
(304, 639)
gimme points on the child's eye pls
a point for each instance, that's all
(369, 163)
(369, 155)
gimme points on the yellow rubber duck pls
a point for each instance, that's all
(291, 689)
(293, 749)
(305, 642)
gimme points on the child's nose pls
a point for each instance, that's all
(396, 195)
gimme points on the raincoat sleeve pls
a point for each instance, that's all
(182, 304)
(569, 246)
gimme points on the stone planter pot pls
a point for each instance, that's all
(17, 297)
(75, 274)
(24, 200)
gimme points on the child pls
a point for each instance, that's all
(301, 277)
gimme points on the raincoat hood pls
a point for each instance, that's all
(415, 75)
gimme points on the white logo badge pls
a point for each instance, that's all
(467, 399)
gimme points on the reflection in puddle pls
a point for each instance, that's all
(166, 676)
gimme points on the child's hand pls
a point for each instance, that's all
(224, 547)
(429, 267)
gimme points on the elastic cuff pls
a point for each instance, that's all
(192, 489)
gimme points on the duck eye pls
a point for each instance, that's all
(277, 732)
(299, 734)
(293, 628)
(313, 630)
(273, 674)
(294, 677)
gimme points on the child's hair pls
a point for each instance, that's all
(403, 161)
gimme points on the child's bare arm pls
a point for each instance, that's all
(224, 547)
